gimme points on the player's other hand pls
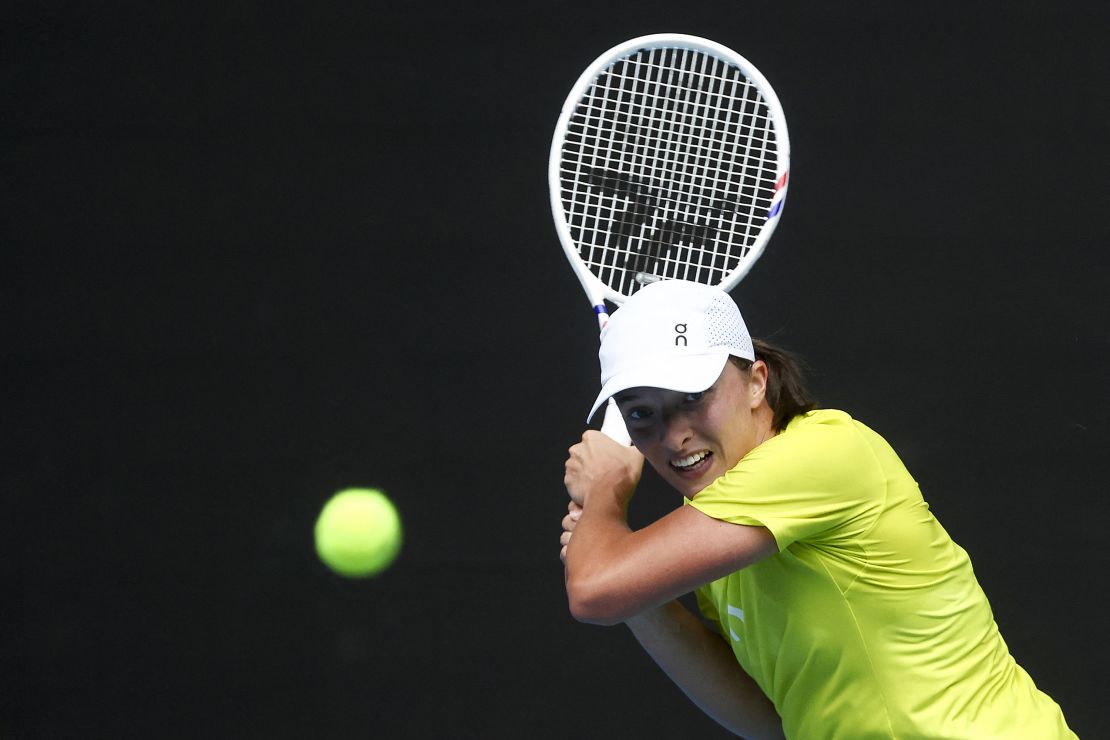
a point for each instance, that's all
(600, 466)
(570, 521)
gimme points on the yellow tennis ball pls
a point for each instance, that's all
(358, 533)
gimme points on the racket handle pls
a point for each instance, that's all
(613, 425)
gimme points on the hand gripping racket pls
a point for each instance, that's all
(669, 161)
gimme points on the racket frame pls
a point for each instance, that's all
(596, 290)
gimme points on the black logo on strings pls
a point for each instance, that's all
(644, 200)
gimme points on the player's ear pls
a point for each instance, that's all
(757, 383)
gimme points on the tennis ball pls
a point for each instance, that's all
(358, 533)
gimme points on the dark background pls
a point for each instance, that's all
(253, 254)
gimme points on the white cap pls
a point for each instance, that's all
(672, 334)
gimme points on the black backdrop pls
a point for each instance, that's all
(251, 255)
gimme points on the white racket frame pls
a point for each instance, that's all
(597, 291)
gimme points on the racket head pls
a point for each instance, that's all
(670, 159)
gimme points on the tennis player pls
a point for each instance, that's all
(835, 604)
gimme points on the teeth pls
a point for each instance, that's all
(692, 460)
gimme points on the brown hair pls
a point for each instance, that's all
(786, 389)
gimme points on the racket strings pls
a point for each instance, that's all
(668, 169)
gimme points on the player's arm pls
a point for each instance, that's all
(702, 665)
(614, 573)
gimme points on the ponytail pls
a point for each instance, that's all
(786, 389)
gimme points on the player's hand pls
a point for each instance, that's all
(598, 464)
(574, 512)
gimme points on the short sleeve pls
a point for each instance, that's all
(818, 480)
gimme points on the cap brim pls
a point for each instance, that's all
(687, 374)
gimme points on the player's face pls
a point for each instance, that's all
(691, 439)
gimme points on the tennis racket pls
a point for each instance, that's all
(669, 161)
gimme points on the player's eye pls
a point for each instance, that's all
(693, 397)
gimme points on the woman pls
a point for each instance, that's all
(842, 607)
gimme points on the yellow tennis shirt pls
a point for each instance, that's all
(868, 622)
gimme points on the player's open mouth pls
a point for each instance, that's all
(692, 463)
